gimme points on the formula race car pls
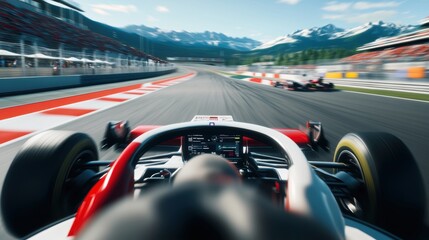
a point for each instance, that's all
(309, 85)
(212, 178)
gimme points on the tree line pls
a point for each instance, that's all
(309, 56)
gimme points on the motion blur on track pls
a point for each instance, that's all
(209, 93)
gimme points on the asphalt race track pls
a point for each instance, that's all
(209, 93)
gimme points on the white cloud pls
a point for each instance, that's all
(356, 11)
(290, 2)
(371, 17)
(336, 6)
(255, 35)
(100, 11)
(162, 9)
(105, 9)
(151, 19)
(332, 16)
(370, 5)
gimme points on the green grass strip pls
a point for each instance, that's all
(227, 73)
(239, 76)
(408, 95)
(232, 75)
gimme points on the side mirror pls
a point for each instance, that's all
(117, 133)
(317, 136)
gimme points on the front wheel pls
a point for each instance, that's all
(45, 181)
(391, 195)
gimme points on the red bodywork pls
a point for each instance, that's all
(119, 181)
(298, 136)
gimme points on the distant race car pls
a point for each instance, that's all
(212, 178)
(278, 84)
(306, 85)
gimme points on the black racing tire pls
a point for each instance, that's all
(38, 186)
(392, 192)
(295, 86)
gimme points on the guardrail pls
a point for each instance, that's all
(50, 71)
(19, 85)
(383, 85)
(406, 85)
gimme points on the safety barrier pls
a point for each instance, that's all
(352, 75)
(416, 72)
(400, 74)
(334, 75)
(383, 81)
(19, 85)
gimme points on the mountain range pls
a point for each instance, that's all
(334, 36)
(328, 36)
(206, 38)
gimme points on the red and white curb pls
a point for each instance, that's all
(255, 78)
(16, 127)
(259, 74)
(259, 81)
(280, 76)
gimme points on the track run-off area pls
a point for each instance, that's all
(191, 91)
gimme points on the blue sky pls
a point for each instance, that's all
(262, 20)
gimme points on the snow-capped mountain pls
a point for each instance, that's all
(388, 29)
(194, 39)
(319, 33)
(330, 35)
(211, 44)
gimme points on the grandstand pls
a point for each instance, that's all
(413, 46)
(420, 36)
(42, 32)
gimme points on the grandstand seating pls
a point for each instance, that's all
(365, 56)
(391, 54)
(405, 38)
(19, 21)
